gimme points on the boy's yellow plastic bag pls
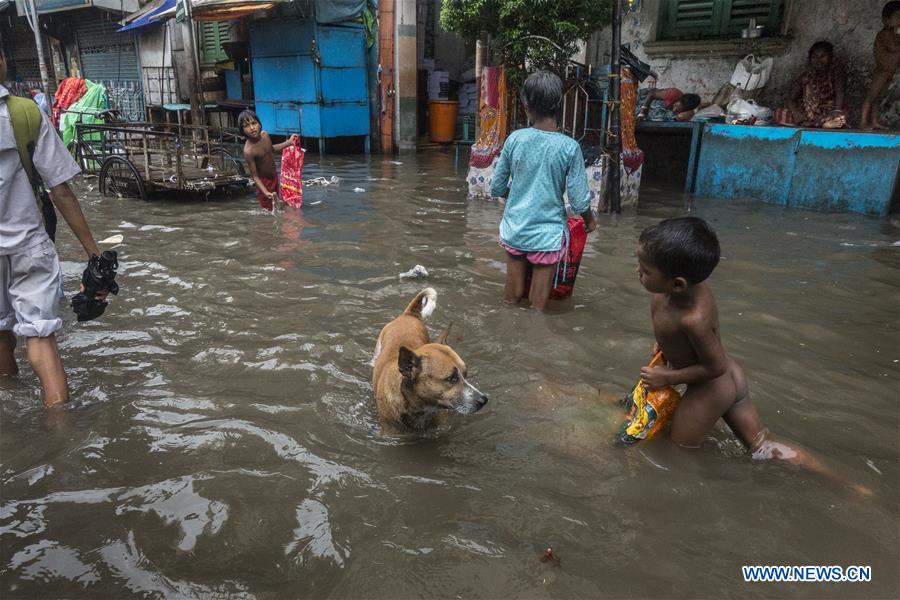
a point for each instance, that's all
(648, 410)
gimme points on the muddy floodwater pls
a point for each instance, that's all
(222, 439)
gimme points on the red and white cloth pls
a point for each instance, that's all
(292, 174)
(68, 93)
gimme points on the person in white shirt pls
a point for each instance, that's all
(29, 266)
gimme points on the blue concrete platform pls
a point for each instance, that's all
(820, 169)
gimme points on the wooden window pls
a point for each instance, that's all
(212, 34)
(694, 19)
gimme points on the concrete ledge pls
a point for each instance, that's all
(716, 48)
(820, 169)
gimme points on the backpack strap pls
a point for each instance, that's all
(25, 116)
(26, 123)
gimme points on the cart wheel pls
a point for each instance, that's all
(118, 177)
(75, 150)
(85, 157)
(225, 163)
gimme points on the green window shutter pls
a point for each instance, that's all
(692, 19)
(766, 12)
(689, 18)
(212, 34)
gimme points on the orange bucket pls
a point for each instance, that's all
(442, 120)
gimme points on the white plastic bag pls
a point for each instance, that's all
(712, 111)
(414, 273)
(752, 73)
(747, 112)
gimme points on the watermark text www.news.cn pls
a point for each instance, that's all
(810, 573)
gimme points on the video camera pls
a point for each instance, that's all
(99, 276)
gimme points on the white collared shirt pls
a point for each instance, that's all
(20, 222)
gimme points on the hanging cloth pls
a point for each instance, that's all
(92, 103)
(292, 174)
(632, 156)
(492, 117)
(69, 91)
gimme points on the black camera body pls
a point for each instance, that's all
(99, 276)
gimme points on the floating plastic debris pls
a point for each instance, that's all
(551, 557)
(358, 190)
(322, 181)
(113, 239)
(416, 271)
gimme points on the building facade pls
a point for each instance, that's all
(695, 46)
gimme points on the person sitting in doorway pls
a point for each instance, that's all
(817, 95)
(666, 104)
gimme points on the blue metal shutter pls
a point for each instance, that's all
(345, 91)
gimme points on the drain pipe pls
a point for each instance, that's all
(195, 64)
(481, 47)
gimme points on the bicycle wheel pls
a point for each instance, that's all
(224, 162)
(118, 177)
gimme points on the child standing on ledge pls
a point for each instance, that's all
(542, 163)
(260, 156)
(887, 61)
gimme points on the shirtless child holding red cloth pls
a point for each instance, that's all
(259, 152)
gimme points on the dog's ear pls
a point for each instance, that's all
(442, 339)
(410, 363)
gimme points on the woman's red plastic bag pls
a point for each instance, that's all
(292, 174)
(568, 268)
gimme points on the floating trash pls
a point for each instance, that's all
(416, 271)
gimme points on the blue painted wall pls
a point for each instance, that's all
(853, 172)
(818, 169)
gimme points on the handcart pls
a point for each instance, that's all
(135, 160)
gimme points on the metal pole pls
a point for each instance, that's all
(481, 47)
(614, 139)
(200, 109)
(32, 13)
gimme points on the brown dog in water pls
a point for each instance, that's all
(415, 379)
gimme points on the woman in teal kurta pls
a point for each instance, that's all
(536, 166)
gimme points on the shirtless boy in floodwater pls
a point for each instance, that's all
(674, 259)
(260, 156)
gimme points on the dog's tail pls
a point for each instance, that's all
(423, 304)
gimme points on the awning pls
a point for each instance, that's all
(149, 15)
(224, 10)
(50, 6)
(334, 11)
(117, 6)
